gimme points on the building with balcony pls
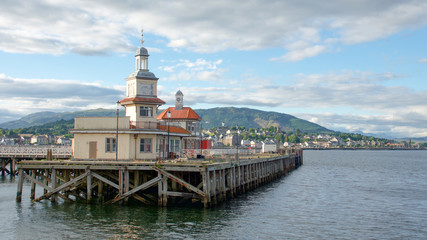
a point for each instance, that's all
(137, 136)
(187, 118)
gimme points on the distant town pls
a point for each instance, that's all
(272, 139)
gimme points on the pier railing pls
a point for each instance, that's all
(36, 151)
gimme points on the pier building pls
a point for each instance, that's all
(138, 135)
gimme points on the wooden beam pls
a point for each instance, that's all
(56, 190)
(46, 187)
(143, 186)
(141, 199)
(182, 194)
(180, 181)
(96, 175)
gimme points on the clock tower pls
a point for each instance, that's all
(141, 100)
(179, 100)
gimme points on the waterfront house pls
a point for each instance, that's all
(40, 140)
(10, 140)
(25, 138)
(63, 141)
(269, 145)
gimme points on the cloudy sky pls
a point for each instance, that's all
(356, 65)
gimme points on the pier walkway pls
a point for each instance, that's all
(9, 155)
(167, 183)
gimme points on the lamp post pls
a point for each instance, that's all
(238, 143)
(201, 139)
(117, 129)
(168, 146)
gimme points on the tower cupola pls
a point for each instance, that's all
(179, 103)
(141, 61)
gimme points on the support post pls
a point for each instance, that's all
(165, 191)
(126, 184)
(33, 186)
(160, 191)
(206, 188)
(3, 166)
(20, 185)
(12, 167)
(89, 186)
(53, 175)
(100, 191)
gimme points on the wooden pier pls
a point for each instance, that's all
(10, 155)
(168, 183)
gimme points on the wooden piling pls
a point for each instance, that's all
(20, 185)
(33, 186)
(53, 175)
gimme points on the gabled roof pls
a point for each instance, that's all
(187, 113)
(142, 100)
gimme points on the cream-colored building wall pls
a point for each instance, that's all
(131, 112)
(81, 146)
(129, 146)
(105, 123)
(145, 155)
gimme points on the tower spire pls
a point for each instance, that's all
(142, 36)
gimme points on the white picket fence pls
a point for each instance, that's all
(36, 151)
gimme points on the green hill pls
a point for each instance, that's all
(251, 118)
(231, 116)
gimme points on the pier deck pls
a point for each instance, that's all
(206, 183)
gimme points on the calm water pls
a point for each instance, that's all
(334, 195)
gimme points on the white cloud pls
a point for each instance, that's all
(423, 60)
(198, 70)
(300, 54)
(27, 96)
(393, 109)
(393, 125)
(303, 29)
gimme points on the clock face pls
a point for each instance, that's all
(178, 99)
(146, 89)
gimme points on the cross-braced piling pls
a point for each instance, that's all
(166, 183)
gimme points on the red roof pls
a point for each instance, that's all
(173, 129)
(187, 113)
(142, 100)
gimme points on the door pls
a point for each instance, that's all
(92, 150)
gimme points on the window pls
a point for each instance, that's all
(176, 146)
(145, 145)
(110, 145)
(146, 111)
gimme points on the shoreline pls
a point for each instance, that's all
(370, 149)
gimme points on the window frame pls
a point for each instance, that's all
(145, 143)
(148, 110)
(110, 145)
